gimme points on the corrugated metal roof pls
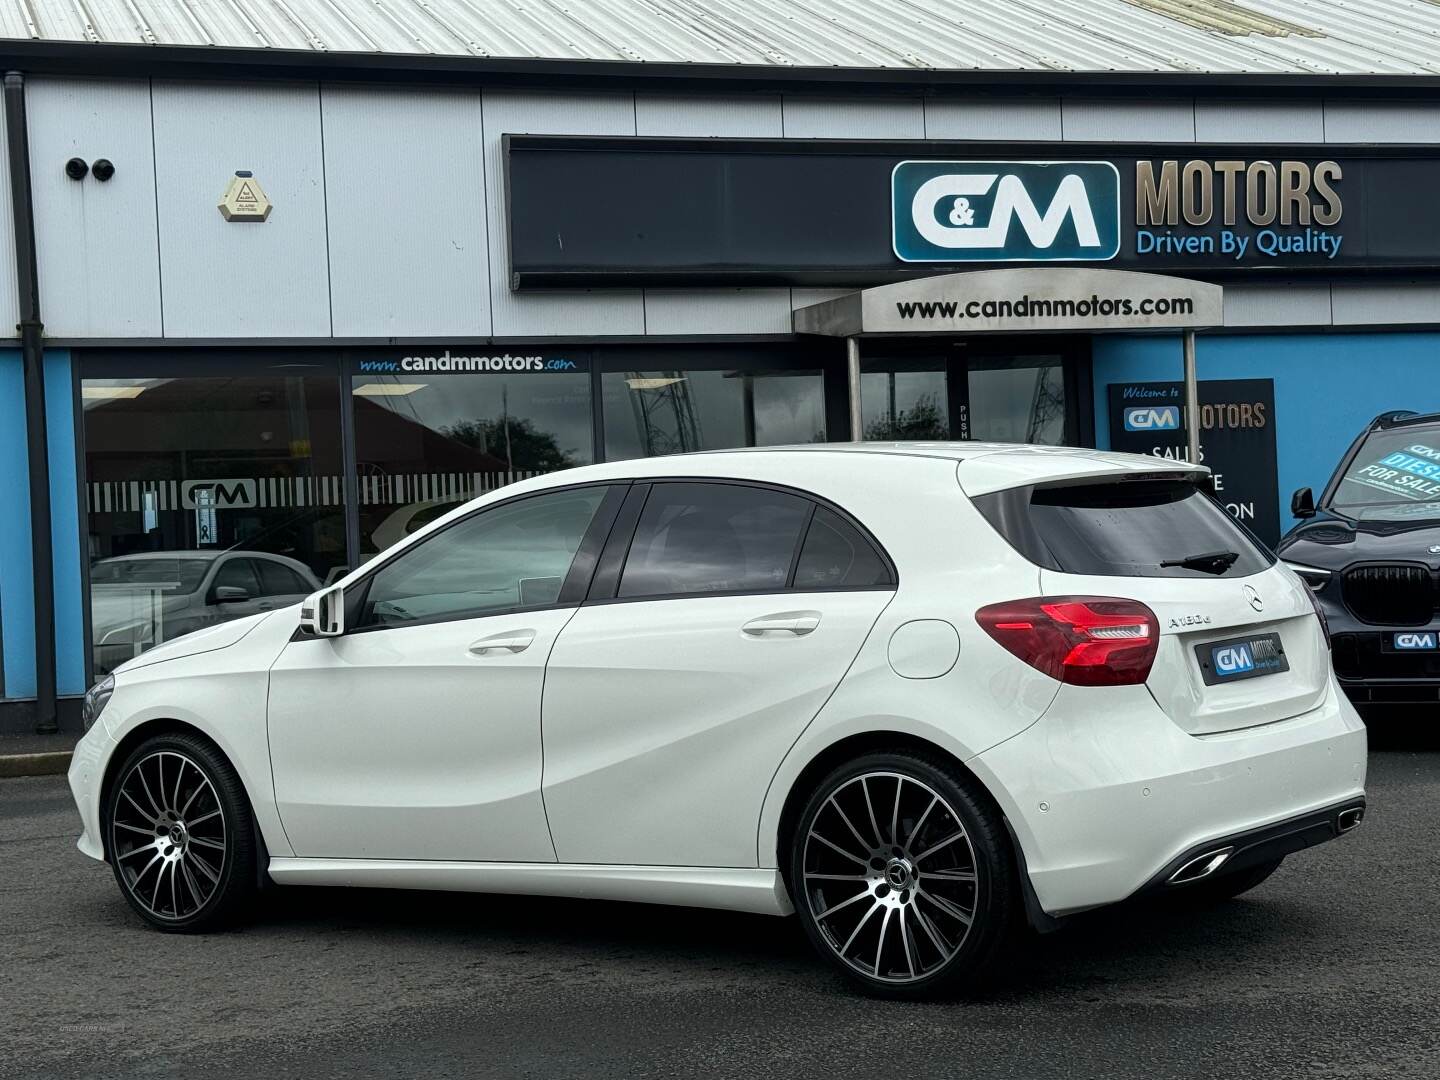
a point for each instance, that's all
(1313, 37)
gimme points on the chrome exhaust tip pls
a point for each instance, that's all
(1350, 819)
(1202, 866)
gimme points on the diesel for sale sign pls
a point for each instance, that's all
(1237, 439)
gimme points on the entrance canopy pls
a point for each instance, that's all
(1042, 299)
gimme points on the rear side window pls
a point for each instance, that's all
(836, 556)
(1137, 528)
(713, 538)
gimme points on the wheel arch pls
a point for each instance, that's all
(168, 725)
(852, 746)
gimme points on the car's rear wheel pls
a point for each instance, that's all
(180, 834)
(903, 877)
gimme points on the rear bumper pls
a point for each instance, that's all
(1254, 846)
(1105, 791)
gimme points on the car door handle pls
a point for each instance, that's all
(511, 641)
(794, 623)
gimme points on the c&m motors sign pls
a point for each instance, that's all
(1005, 211)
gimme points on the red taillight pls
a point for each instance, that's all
(1083, 640)
(1319, 614)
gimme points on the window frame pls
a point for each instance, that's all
(572, 590)
(605, 584)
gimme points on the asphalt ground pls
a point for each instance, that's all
(1329, 969)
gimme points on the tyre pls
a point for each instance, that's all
(1223, 887)
(903, 878)
(181, 835)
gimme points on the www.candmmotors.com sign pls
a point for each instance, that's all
(1005, 211)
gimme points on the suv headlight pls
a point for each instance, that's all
(96, 698)
(1313, 576)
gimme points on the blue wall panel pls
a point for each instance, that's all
(65, 523)
(1327, 386)
(17, 602)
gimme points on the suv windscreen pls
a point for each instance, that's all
(1395, 476)
(1135, 528)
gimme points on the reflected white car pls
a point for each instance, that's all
(140, 600)
(918, 694)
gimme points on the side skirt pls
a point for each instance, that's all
(759, 891)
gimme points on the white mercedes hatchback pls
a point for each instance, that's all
(921, 695)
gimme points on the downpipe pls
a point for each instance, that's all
(32, 334)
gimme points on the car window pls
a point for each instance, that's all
(237, 574)
(516, 555)
(1395, 476)
(837, 556)
(277, 579)
(1135, 528)
(713, 538)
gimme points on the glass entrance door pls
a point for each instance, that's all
(1020, 390)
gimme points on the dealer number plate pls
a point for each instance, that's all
(1241, 658)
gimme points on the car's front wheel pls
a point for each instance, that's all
(180, 834)
(902, 876)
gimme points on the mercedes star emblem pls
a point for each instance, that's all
(1253, 598)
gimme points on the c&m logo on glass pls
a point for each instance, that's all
(1005, 211)
(1153, 418)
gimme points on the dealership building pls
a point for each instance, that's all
(288, 280)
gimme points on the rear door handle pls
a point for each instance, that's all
(793, 623)
(511, 641)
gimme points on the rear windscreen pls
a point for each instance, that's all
(1137, 528)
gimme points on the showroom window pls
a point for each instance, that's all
(426, 441)
(657, 410)
(209, 497)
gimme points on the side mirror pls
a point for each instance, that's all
(1302, 503)
(323, 613)
(229, 594)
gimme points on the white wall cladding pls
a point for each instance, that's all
(863, 118)
(1107, 120)
(408, 252)
(99, 266)
(396, 228)
(707, 117)
(1382, 122)
(578, 313)
(226, 279)
(9, 301)
(988, 118)
(1260, 121)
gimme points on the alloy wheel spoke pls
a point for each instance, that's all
(861, 895)
(946, 906)
(179, 776)
(135, 828)
(915, 829)
(140, 772)
(895, 814)
(204, 783)
(140, 850)
(864, 844)
(880, 944)
(858, 927)
(837, 848)
(943, 843)
(835, 877)
(207, 843)
(870, 808)
(138, 808)
(936, 938)
(905, 940)
(203, 817)
(192, 884)
(200, 864)
(961, 876)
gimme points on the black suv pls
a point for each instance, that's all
(1370, 551)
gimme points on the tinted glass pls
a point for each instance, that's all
(278, 580)
(672, 412)
(1017, 400)
(237, 574)
(426, 442)
(836, 556)
(1124, 530)
(713, 538)
(1396, 476)
(905, 399)
(515, 555)
(180, 469)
